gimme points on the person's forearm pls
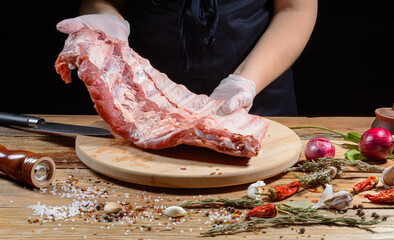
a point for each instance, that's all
(282, 42)
(101, 7)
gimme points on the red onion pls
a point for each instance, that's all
(319, 147)
(376, 144)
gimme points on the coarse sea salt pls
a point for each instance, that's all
(62, 212)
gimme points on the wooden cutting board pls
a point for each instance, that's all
(188, 166)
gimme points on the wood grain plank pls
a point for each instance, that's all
(15, 198)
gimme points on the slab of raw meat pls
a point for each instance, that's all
(146, 107)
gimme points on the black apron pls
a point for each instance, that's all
(198, 43)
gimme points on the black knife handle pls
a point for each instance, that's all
(19, 120)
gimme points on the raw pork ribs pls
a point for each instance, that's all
(146, 107)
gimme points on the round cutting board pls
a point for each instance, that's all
(188, 166)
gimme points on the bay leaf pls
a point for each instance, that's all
(299, 204)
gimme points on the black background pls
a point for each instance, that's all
(345, 70)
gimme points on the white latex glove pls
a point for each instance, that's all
(237, 91)
(109, 24)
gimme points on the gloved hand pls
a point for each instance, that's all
(237, 91)
(109, 24)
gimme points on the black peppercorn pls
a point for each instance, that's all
(358, 211)
(302, 230)
(360, 206)
(120, 214)
(373, 214)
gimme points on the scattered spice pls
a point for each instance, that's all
(373, 214)
(386, 196)
(302, 230)
(358, 211)
(365, 185)
(231, 209)
(98, 207)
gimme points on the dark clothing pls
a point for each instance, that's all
(198, 43)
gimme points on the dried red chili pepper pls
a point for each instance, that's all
(263, 211)
(386, 196)
(365, 185)
(277, 193)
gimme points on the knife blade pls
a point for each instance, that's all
(39, 124)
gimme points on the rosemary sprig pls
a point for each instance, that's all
(242, 203)
(336, 162)
(317, 178)
(324, 169)
(297, 216)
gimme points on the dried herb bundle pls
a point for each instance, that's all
(336, 162)
(296, 216)
(225, 202)
(323, 170)
(317, 178)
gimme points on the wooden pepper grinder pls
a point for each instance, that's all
(28, 167)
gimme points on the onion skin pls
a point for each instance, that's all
(376, 144)
(319, 147)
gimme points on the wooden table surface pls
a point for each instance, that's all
(16, 214)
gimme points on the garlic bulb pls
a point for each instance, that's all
(174, 211)
(388, 177)
(340, 200)
(254, 188)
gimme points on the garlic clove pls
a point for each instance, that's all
(388, 177)
(326, 194)
(340, 200)
(112, 207)
(175, 211)
(255, 188)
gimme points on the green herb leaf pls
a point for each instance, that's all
(354, 155)
(352, 137)
(303, 204)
